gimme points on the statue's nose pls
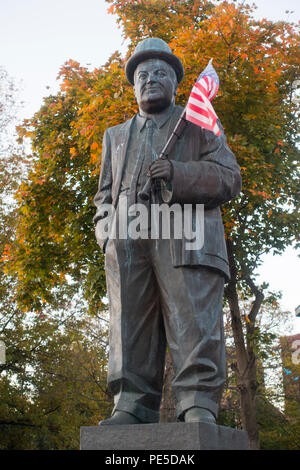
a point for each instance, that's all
(151, 77)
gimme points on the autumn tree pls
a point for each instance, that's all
(54, 377)
(55, 253)
(11, 157)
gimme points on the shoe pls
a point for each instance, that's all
(120, 417)
(199, 415)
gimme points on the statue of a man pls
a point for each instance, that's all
(159, 292)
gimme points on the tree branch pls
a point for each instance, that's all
(259, 297)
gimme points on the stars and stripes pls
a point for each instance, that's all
(199, 109)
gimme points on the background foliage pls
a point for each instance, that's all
(49, 259)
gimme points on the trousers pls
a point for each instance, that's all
(153, 304)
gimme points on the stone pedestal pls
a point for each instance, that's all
(164, 436)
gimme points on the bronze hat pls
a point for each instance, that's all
(153, 48)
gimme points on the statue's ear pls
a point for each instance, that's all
(176, 87)
(134, 89)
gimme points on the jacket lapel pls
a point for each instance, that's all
(122, 139)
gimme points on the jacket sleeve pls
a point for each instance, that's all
(104, 193)
(212, 178)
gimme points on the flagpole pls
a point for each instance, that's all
(199, 112)
(144, 194)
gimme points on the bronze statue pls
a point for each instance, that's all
(161, 293)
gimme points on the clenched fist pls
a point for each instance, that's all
(161, 168)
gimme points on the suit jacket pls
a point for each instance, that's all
(205, 172)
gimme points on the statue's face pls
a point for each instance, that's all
(155, 85)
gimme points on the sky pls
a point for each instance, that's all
(38, 36)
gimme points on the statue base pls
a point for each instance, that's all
(164, 436)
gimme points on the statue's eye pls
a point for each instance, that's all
(142, 76)
(161, 73)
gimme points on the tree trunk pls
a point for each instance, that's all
(245, 368)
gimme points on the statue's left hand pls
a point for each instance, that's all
(161, 168)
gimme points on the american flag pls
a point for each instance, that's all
(199, 109)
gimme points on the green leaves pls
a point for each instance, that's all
(54, 379)
(48, 250)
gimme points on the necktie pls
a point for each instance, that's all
(143, 162)
(148, 154)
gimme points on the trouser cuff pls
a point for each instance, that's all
(145, 415)
(201, 402)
